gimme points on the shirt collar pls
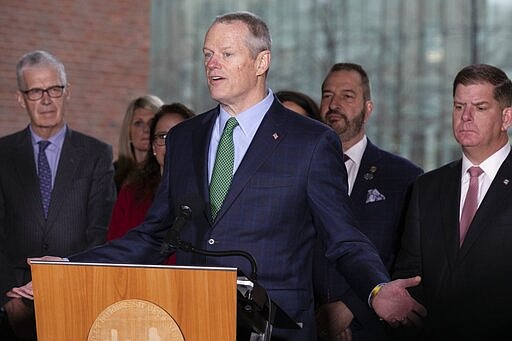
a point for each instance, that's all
(356, 151)
(56, 140)
(491, 165)
(250, 119)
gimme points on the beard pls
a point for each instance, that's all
(345, 128)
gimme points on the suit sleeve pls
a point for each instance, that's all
(399, 175)
(6, 282)
(330, 286)
(101, 197)
(140, 245)
(354, 255)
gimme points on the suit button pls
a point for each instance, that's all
(211, 241)
(44, 247)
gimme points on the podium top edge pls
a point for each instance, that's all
(178, 267)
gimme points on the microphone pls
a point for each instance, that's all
(184, 213)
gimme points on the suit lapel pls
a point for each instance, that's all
(268, 136)
(203, 137)
(366, 173)
(449, 204)
(24, 162)
(491, 205)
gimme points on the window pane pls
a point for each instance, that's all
(411, 49)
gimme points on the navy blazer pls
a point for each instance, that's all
(466, 290)
(379, 197)
(82, 199)
(289, 186)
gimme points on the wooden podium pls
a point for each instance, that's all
(121, 302)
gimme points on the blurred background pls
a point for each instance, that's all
(117, 50)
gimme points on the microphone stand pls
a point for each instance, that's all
(177, 243)
(256, 311)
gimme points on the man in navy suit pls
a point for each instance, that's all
(288, 185)
(466, 270)
(378, 185)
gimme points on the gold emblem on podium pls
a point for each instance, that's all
(134, 320)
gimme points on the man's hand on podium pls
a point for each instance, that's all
(22, 292)
(26, 290)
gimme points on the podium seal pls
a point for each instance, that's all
(134, 319)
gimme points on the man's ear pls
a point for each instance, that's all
(506, 118)
(20, 99)
(67, 92)
(368, 109)
(263, 62)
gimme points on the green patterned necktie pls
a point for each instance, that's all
(223, 167)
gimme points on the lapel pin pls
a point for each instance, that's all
(373, 169)
(368, 176)
(506, 181)
(275, 136)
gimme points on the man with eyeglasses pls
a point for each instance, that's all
(56, 186)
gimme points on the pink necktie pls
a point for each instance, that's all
(470, 203)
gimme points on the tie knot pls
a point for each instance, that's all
(43, 145)
(231, 124)
(475, 171)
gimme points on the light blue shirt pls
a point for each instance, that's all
(248, 123)
(52, 151)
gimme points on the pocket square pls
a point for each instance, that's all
(374, 195)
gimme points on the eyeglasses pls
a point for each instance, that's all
(34, 94)
(160, 139)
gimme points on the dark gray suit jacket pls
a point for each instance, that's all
(80, 207)
(466, 290)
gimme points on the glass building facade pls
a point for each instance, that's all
(411, 49)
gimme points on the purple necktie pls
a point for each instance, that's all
(45, 176)
(470, 203)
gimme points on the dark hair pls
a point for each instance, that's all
(484, 73)
(367, 95)
(302, 100)
(146, 177)
(173, 108)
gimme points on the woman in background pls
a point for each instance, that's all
(300, 103)
(136, 195)
(134, 137)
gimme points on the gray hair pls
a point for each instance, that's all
(260, 39)
(35, 59)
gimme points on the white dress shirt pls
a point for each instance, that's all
(490, 167)
(355, 153)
